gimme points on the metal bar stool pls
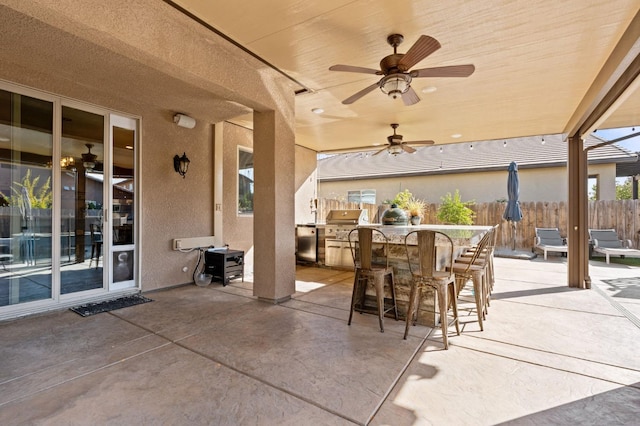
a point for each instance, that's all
(474, 269)
(96, 243)
(484, 259)
(430, 274)
(367, 272)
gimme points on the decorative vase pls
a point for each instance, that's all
(415, 220)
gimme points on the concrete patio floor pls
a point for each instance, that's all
(549, 354)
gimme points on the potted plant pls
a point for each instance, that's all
(416, 208)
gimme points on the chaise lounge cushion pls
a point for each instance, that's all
(607, 242)
(549, 239)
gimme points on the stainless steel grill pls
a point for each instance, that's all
(338, 225)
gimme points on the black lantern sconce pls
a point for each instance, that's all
(181, 164)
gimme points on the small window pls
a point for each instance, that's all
(367, 196)
(245, 181)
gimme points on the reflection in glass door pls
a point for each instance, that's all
(81, 203)
(26, 147)
(123, 255)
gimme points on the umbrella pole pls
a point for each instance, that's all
(513, 235)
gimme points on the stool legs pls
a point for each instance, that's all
(360, 282)
(413, 295)
(445, 292)
(378, 282)
(354, 296)
(443, 303)
(478, 292)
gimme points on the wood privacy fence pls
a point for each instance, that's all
(623, 216)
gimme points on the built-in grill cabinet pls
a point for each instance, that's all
(224, 264)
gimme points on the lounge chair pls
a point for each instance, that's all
(549, 239)
(607, 242)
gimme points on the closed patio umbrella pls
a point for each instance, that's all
(513, 213)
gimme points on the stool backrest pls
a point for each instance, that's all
(427, 250)
(480, 251)
(96, 233)
(361, 245)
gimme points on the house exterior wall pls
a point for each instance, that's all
(544, 184)
(238, 229)
(209, 72)
(606, 180)
(306, 184)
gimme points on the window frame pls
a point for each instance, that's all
(251, 175)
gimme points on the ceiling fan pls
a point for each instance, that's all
(89, 158)
(395, 69)
(395, 145)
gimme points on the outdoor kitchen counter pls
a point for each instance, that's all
(462, 237)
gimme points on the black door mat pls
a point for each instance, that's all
(110, 305)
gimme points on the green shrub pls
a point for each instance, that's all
(454, 211)
(402, 199)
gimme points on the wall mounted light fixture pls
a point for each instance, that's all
(181, 164)
(184, 121)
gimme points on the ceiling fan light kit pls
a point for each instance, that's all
(394, 149)
(395, 85)
(89, 158)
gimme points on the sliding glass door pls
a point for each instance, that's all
(67, 201)
(81, 200)
(122, 254)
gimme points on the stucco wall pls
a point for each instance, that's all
(545, 184)
(173, 207)
(238, 229)
(606, 180)
(306, 184)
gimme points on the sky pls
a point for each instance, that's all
(632, 144)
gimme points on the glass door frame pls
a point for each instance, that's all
(58, 300)
(129, 123)
(111, 118)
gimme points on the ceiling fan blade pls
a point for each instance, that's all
(422, 48)
(407, 148)
(380, 151)
(351, 99)
(426, 142)
(450, 71)
(349, 68)
(410, 97)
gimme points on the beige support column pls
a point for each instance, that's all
(578, 254)
(273, 202)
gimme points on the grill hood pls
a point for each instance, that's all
(347, 217)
